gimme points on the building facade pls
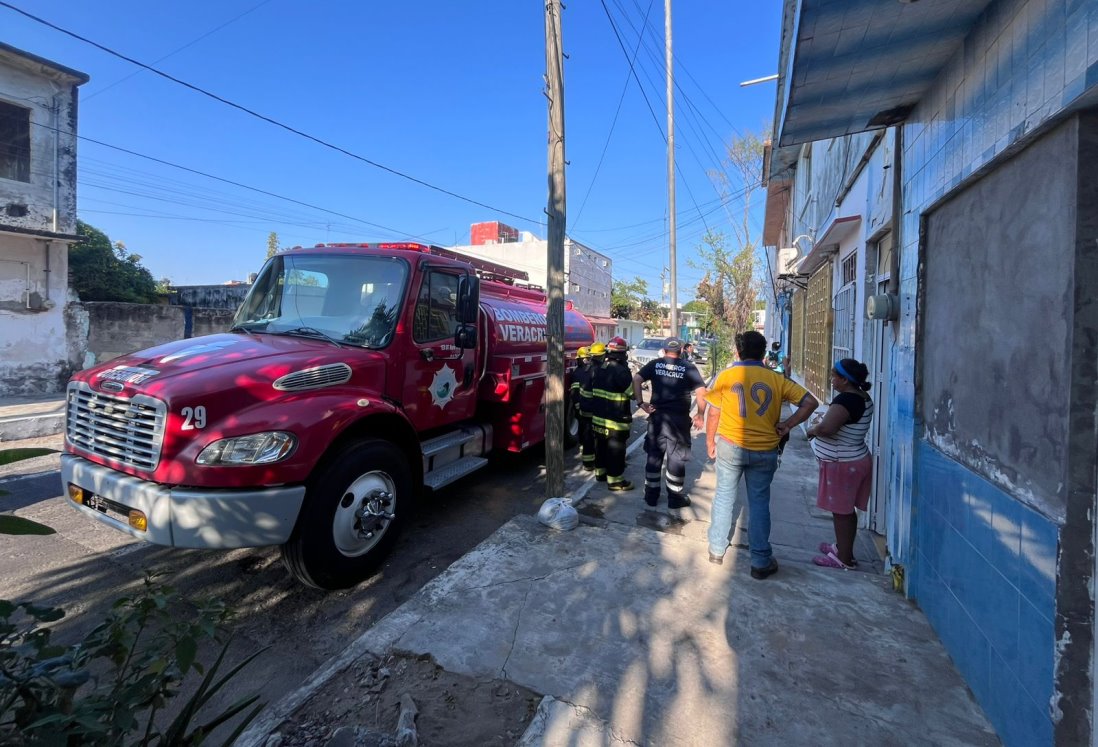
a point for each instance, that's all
(587, 273)
(991, 408)
(38, 116)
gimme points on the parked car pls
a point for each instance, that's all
(649, 349)
(701, 352)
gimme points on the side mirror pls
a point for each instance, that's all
(468, 305)
(466, 336)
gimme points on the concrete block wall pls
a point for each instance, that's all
(114, 329)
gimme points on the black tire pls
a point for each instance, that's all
(571, 424)
(328, 549)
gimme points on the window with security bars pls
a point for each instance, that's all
(843, 332)
(817, 334)
(14, 142)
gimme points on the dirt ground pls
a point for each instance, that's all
(452, 709)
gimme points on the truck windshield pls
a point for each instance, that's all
(348, 299)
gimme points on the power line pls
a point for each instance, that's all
(120, 81)
(712, 103)
(269, 120)
(613, 124)
(651, 111)
(250, 188)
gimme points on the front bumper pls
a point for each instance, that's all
(186, 517)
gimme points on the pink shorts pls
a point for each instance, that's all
(844, 486)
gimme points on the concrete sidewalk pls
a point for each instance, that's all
(31, 417)
(634, 636)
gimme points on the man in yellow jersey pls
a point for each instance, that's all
(742, 431)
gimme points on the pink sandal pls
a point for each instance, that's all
(831, 560)
(829, 548)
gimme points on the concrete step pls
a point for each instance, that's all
(31, 417)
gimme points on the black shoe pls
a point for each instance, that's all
(600, 478)
(716, 559)
(674, 503)
(652, 500)
(761, 573)
(618, 487)
(587, 468)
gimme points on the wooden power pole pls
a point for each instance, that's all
(671, 171)
(554, 322)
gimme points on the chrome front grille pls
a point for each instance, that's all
(314, 378)
(130, 431)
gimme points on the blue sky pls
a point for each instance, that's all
(450, 93)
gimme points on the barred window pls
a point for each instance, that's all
(14, 142)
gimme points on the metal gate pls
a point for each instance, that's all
(817, 358)
(796, 333)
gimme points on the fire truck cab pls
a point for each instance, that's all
(354, 377)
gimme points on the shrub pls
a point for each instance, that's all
(110, 688)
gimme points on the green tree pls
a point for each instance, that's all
(103, 271)
(650, 312)
(626, 297)
(272, 244)
(730, 286)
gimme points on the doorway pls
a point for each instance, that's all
(879, 259)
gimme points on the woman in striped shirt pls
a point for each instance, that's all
(846, 466)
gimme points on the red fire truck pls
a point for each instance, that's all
(354, 378)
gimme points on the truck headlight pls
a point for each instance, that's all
(258, 448)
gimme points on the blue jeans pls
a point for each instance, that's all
(757, 469)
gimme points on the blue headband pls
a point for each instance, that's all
(842, 372)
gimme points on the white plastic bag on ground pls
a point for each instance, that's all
(558, 513)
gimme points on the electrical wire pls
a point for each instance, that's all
(211, 32)
(651, 111)
(268, 120)
(613, 124)
(232, 182)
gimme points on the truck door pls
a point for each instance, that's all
(439, 381)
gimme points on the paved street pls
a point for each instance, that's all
(86, 565)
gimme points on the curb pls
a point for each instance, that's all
(31, 426)
(271, 717)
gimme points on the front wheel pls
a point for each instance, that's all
(355, 506)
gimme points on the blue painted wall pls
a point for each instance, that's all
(985, 574)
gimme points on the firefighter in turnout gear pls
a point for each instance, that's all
(667, 442)
(581, 400)
(612, 415)
(598, 360)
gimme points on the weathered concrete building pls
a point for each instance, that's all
(990, 402)
(828, 233)
(38, 112)
(588, 274)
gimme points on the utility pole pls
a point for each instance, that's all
(671, 170)
(554, 320)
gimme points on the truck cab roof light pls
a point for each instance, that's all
(485, 269)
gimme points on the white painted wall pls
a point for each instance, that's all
(589, 274)
(35, 355)
(50, 196)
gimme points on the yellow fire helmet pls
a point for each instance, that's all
(583, 352)
(599, 348)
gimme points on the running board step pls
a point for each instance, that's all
(453, 471)
(449, 440)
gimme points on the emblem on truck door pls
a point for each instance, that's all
(443, 386)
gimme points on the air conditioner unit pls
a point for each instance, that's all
(788, 259)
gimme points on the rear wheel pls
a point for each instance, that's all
(571, 424)
(355, 506)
